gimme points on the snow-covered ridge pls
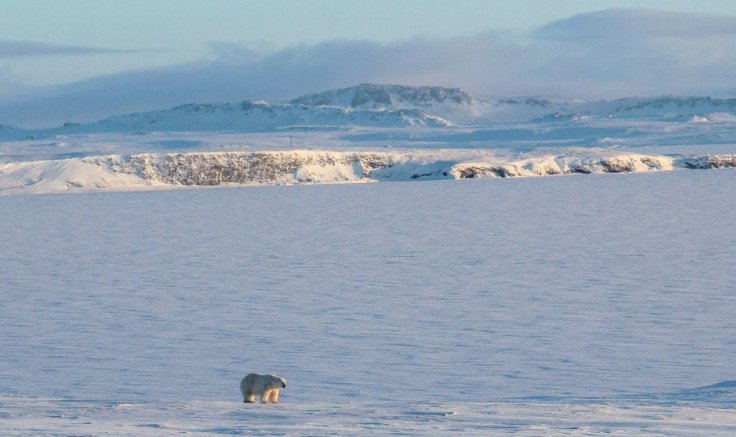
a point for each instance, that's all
(393, 106)
(461, 107)
(677, 103)
(146, 171)
(258, 116)
(382, 96)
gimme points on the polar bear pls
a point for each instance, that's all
(267, 386)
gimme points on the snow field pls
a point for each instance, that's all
(583, 305)
(43, 416)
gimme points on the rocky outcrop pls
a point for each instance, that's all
(304, 166)
(710, 161)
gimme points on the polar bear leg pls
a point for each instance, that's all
(264, 396)
(275, 396)
(251, 399)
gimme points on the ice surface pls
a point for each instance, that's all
(577, 305)
(43, 416)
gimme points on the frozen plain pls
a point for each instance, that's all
(566, 305)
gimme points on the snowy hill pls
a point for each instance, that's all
(376, 96)
(674, 106)
(450, 103)
(396, 106)
(392, 106)
(258, 116)
(461, 107)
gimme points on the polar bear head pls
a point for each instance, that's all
(276, 382)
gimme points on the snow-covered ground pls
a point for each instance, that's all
(43, 416)
(572, 305)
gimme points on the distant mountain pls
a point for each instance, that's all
(392, 106)
(452, 104)
(259, 116)
(460, 107)
(375, 96)
(680, 105)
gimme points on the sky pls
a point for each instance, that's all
(81, 60)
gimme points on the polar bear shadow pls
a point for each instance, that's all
(265, 386)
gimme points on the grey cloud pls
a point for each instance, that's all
(659, 53)
(636, 24)
(645, 52)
